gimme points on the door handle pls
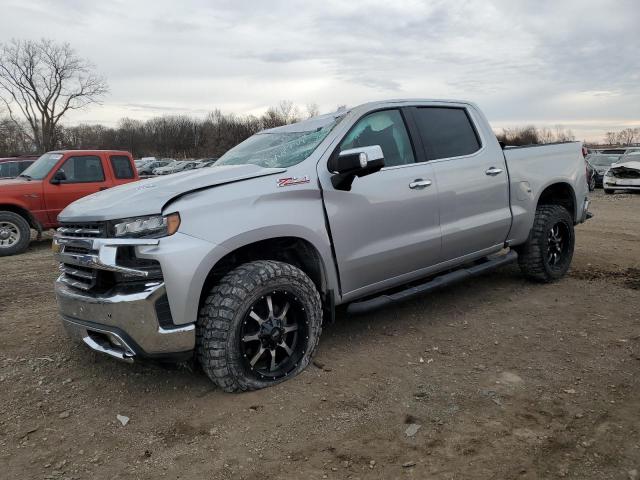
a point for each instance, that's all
(419, 183)
(493, 171)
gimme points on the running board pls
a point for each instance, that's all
(491, 263)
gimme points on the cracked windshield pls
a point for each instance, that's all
(276, 149)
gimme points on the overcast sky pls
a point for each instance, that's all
(544, 62)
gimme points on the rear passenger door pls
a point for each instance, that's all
(472, 179)
(386, 226)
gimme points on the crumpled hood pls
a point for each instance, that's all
(634, 164)
(148, 197)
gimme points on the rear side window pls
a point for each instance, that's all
(9, 169)
(121, 166)
(83, 169)
(447, 132)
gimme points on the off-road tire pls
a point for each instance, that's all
(608, 191)
(533, 255)
(24, 231)
(220, 319)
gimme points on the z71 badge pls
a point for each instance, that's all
(290, 181)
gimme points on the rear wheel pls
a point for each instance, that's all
(15, 234)
(259, 326)
(548, 252)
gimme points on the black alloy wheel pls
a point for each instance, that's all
(557, 244)
(274, 335)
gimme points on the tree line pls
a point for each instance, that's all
(531, 135)
(176, 136)
(179, 136)
(628, 136)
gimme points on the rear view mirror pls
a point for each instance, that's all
(59, 176)
(354, 162)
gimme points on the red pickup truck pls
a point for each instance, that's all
(43, 190)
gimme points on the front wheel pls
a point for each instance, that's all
(592, 184)
(258, 326)
(547, 254)
(15, 234)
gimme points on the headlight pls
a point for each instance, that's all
(151, 226)
(608, 173)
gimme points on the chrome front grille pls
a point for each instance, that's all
(84, 230)
(75, 262)
(79, 277)
(98, 263)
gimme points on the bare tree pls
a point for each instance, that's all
(312, 110)
(288, 111)
(546, 135)
(563, 135)
(42, 81)
(611, 138)
(13, 141)
(627, 136)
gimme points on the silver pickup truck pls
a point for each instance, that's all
(238, 264)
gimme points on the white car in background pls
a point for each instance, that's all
(206, 162)
(625, 174)
(174, 167)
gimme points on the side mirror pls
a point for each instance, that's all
(58, 177)
(355, 162)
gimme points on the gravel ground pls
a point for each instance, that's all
(492, 378)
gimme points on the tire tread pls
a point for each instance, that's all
(223, 307)
(531, 254)
(25, 233)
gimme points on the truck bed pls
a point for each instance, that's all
(534, 167)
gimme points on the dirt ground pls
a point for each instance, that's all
(493, 378)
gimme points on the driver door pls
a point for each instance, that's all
(84, 176)
(386, 228)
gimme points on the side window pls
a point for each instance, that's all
(121, 166)
(385, 128)
(447, 132)
(9, 169)
(83, 169)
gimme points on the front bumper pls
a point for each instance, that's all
(123, 323)
(613, 183)
(142, 317)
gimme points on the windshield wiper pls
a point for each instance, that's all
(28, 177)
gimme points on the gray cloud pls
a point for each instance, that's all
(546, 62)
